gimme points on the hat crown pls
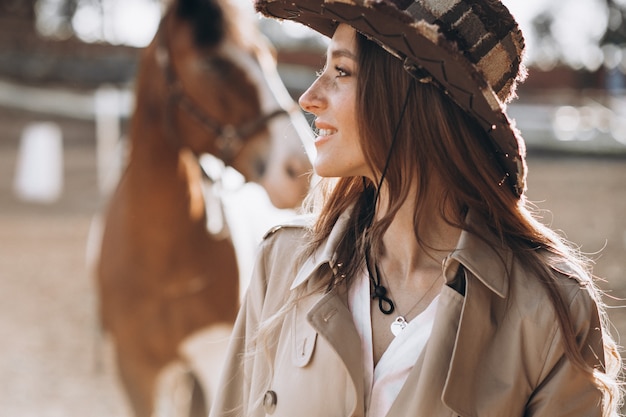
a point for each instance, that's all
(485, 33)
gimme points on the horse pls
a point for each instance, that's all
(206, 84)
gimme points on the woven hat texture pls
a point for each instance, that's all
(472, 49)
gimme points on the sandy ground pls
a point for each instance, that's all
(55, 363)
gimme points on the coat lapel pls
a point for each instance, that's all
(332, 319)
(488, 267)
(426, 381)
(329, 315)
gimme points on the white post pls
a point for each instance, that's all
(39, 170)
(108, 112)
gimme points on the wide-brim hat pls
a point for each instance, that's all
(472, 49)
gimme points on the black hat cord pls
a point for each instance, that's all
(378, 290)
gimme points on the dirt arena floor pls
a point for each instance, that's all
(55, 363)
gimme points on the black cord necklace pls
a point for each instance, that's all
(385, 304)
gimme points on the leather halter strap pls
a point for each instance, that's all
(229, 139)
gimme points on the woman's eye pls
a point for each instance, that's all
(341, 72)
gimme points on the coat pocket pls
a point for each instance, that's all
(304, 339)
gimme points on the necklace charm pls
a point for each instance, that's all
(398, 325)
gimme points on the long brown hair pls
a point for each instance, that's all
(437, 139)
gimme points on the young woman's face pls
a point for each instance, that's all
(332, 99)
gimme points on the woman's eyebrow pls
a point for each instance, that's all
(337, 53)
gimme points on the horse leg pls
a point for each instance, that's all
(204, 352)
(138, 378)
(179, 393)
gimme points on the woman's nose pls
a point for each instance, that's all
(311, 100)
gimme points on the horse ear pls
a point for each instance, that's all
(207, 19)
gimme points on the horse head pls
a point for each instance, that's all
(225, 97)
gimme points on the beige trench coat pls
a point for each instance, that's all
(495, 351)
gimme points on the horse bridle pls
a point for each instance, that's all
(229, 138)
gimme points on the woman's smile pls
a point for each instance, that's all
(332, 99)
(323, 132)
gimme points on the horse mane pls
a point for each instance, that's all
(212, 21)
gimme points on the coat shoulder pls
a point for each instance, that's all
(297, 224)
(283, 245)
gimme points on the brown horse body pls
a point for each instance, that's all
(162, 276)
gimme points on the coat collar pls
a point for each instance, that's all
(326, 253)
(483, 254)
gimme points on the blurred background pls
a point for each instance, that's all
(66, 73)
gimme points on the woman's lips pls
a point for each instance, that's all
(323, 131)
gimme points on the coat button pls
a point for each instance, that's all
(269, 402)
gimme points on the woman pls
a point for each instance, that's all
(422, 286)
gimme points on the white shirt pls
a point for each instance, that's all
(384, 382)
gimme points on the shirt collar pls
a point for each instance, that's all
(482, 254)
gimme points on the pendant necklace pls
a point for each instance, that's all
(385, 304)
(400, 322)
